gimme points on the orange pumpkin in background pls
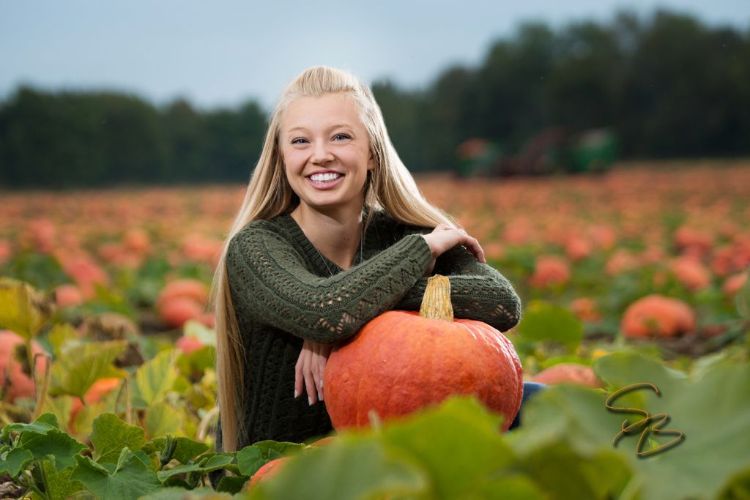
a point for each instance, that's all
(267, 471)
(657, 316)
(402, 361)
(568, 373)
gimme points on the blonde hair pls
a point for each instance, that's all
(389, 187)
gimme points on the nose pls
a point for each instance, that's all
(321, 154)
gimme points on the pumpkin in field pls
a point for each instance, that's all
(568, 373)
(268, 470)
(657, 316)
(403, 361)
(182, 300)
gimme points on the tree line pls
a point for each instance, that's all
(666, 85)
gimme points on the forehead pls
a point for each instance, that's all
(314, 113)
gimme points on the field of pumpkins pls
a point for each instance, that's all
(636, 316)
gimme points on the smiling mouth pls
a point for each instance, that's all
(325, 177)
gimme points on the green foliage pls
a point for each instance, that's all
(155, 378)
(111, 434)
(130, 477)
(18, 308)
(81, 365)
(545, 322)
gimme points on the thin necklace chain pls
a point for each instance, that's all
(325, 263)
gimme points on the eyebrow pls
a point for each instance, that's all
(346, 125)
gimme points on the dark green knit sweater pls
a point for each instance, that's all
(283, 292)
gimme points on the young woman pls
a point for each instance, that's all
(332, 232)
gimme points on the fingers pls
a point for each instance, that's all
(310, 386)
(308, 372)
(445, 237)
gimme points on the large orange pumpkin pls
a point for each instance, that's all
(402, 361)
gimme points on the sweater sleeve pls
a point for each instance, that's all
(270, 281)
(478, 291)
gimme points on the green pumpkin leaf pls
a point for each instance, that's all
(185, 449)
(713, 412)
(14, 461)
(353, 467)
(543, 322)
(183, 494)
(161, 419)
(253, 457)
(216, 462)
(45, 423)
(130, 478)
(81, 365)
(54, 442)
(111, 434)
(59, 483)
(562, 472)
(502, 488)
(738, 486)
(19, 308)
(154, 379)
(59, 336)
(458, 444)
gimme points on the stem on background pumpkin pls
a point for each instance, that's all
(436, 303)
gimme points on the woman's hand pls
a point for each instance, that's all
(445, 237)
(309, 370)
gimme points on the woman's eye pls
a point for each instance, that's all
(342, 136)
(298, 140)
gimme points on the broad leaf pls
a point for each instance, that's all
(19, 308)
(154, 379)
(56, 443)
(458, 444)
(353, 467)
(42, 425)
(713, 412)
(83, 364)
(111, 434)
(59, 483)
(543, 321)
(182, 494)
(131, 478)
(14, 461)
(162, 419)
(59, 336)
(253, 457)
(218, 461)
(184, 451)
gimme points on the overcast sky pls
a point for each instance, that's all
(222, 52)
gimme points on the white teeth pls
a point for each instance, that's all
(326, 177)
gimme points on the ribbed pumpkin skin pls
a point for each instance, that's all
(400, 362)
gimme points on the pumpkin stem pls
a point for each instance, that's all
(436, 303)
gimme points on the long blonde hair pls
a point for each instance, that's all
(389, 187)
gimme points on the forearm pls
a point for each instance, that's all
(324, 310)
(478, 291)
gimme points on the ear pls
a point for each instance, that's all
(371, 162)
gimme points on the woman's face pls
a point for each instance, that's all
(326, 152)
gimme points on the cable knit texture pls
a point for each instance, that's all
(283, 292)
